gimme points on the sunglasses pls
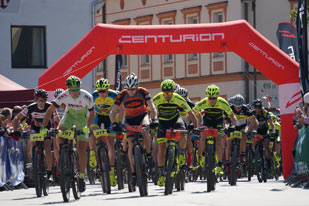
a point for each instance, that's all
(102, 91)
(74, 90)
(41, 100)
(168, 93)
(212, 98)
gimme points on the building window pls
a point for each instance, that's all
(124, 61)
(168, 58)
(28, 47)
(192, 19)
(145, 60)
(217, 17)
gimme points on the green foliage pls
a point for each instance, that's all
(293, 13)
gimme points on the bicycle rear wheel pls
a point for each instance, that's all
(119, 170)
(37, 171)
(65, 163)
(75, 179)
(104, 170)
(210, 172)
(169, 179)
(139, 164)
(233, 172)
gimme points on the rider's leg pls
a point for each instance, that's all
(48, 154)
(189, 149)
(82, 155)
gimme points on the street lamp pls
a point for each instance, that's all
(254, 26)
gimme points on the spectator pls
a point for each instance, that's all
(304, 117)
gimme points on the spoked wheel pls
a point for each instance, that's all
(169, 178)
(210, 170)
(119, 170)
(131, 188)
(104, 171)
(75, 179)
(65, 173)
(37, 172)
(140, 170)
(249, 165)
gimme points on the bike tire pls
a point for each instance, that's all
(250, 164)
(210, 173)
(104, 171)
(233, 173)
(45, 181)
(139, 165)
(119, 170)
(259, 166)
(37, 172)
(276, 166)
(131, 188)
(90, 172)
(65, 173)
(169, 180)
(75, 179)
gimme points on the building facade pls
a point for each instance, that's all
(196, 71)
(35, 34)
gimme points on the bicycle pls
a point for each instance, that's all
(139, 159)
(235, 138)
(210, 157)
(260, 158)
(102, 159)
(68, 164)
(39, 164)
(275, 161)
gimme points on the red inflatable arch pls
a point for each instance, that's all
(236, 36)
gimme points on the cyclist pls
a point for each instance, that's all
(133, 99)
(78, 103)
(214, 108)
(36, 112)
(61, 109)
(183, 92)
(169, 105)
(263, 117)
(244, 118)
(276, 137)
(104, 99)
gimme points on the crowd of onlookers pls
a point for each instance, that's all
(301, 113)
(7, 116)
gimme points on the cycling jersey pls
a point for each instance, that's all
(213, 112)
(133, 105)
(37, 115)
(168, 110)
(103, 106)
(242, 116)
(76, 110)
(262, 119)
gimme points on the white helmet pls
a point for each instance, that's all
(57, 92)
(238, 100)
(306, 98)
(182, 92)
(131, 82)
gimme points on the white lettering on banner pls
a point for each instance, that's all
(263, 53)
(292, 55)
(289, 97)
(135, 39)
(79, 61)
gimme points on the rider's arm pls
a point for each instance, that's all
(193, 118)
(233, 119)
(91, 117)
(270, 121)
(48, 114)
(113, 113)
(153, 110)
(253, 123)
(17, 120)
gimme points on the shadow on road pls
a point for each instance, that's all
(132, 197)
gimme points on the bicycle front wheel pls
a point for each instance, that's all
(65, 173)
(119, 170)
(233, 173)
(104, 170)
(37, 172)
(169, 180)
(210, 169)
(75, 179)
(139, 164)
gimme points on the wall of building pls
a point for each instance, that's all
(66, 22)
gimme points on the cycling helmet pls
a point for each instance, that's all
(212, 91)
(182, 92)
(102, 84)
(168, 85)
(131, 81)
(306, 98)
(41, 93)
(73, 81)
(177, 86)
(238, 100)
(257, 103)
(57, 92)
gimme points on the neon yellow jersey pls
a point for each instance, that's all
(168, 110)
(213, 112)
(103, 106)
(277, 126)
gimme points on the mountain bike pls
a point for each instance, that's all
(139, 157)
(68, 163)
(275, 161)
(210, 135)
(261, 169)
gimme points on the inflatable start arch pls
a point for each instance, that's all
(236, 36)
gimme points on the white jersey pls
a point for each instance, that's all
(84, 100)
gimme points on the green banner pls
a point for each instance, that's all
(302, 152)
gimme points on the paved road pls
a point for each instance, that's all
(245, 193)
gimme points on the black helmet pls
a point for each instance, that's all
(257, 103)
(41, 93)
